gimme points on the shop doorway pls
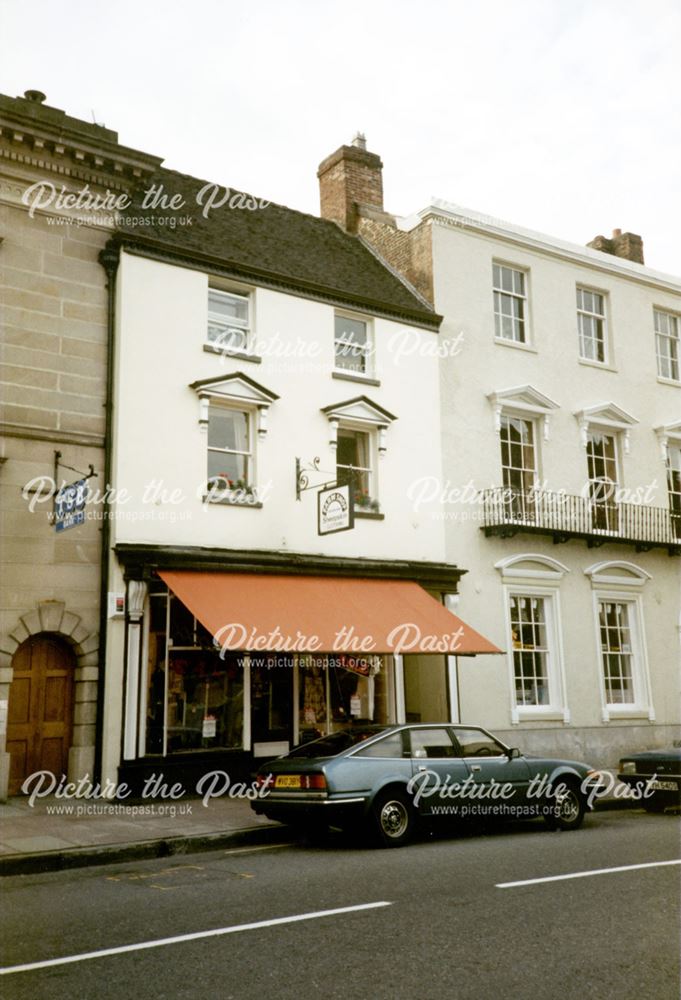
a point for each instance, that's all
(271, 704)
(40, 709)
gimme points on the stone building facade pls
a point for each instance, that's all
(52, 427)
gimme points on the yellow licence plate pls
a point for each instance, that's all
(287, 781)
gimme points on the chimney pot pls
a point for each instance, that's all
(36, 96)
(616, 233)
(360, 140)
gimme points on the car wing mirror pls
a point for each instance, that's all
(513, 753)
(420, 754)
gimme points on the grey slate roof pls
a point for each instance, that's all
(274, 246)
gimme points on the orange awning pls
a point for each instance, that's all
(322, 614)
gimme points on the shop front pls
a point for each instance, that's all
(226, 669)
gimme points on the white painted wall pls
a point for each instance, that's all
(471, 451)
(162, 314)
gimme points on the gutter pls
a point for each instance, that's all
(109, 258)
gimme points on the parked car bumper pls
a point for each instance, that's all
(321, 807)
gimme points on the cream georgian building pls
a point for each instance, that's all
(560, 394)
(252, 367)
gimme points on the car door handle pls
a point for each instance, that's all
(422, 767)
(475, 767)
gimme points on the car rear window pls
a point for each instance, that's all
(390, 746)
(335, 743)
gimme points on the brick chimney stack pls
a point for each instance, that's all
(626, 245)
(349, 177)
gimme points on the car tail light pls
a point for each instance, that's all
(316, 781)
(263, 779)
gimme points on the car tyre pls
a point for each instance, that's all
(567, 808)
(392, 818)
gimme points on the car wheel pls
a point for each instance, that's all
(568, 808)
(392, 818)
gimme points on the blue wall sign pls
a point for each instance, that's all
(69, 505)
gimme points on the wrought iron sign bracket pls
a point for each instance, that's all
(303, 471)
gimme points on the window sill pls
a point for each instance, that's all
(369, 515)
(603, 365)
(226, 502)
(627, 712)
(238, 355)
(663, 380)
(354, 377)
(516, 344)
(540, 714)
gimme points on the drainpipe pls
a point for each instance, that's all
(109, 258)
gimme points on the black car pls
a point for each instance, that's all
(657, 773)
(382, 780)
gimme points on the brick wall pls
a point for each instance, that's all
(351, 194)
(409, 253)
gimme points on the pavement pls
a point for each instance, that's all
(53, 834)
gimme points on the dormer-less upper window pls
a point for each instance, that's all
(510, 304)
(667, 339)
(591, 324)
(352, 344)
(229, 321)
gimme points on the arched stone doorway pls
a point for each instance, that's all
(40, 714)
(50, 620)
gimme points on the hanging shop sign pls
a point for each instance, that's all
(69, 505)
(335, 510)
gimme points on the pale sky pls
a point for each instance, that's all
(558, 115)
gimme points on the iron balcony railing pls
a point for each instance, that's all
(506, 511)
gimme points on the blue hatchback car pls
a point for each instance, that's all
(383, 779)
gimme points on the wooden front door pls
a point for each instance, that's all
(40, 709)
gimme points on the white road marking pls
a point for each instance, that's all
(197, 936)
(594, 871)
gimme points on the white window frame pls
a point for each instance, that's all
(251, 475)
(581, 311)
(640, 707)
(523, 402)
(521, 508)
(608, 504)
(372, 435)
(526, 339)
(219, 345)
(621, 582)
(674, 357)
(236, 392)
(368, 351)
(521, 580)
